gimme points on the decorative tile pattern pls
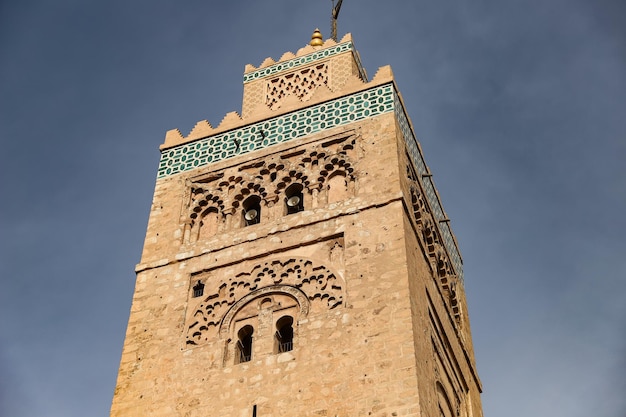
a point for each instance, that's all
(339, 112)
(300, 61)
(429, 187)
(294, 125)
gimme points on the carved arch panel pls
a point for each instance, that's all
(430, 238)
(301, 299)
(223, 192)
(307, 281)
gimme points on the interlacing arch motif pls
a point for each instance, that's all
(244, 188)
(418, 204)
(203, 205)
(223, 194)
(283, 176)
(318, 283)
(202, 200)
(300, 84)
(429, 235)
(333, 164)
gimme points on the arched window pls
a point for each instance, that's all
(294, 199)
(445, 407)
(284, 334)
(337, 187)
(252, 210)
(244, 344)
(198, 289)
(209, 223)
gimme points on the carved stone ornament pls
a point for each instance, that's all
(303, 279)
(428, 234)
(299, 296)
(325, 173)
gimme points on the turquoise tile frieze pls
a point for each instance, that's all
(429, 187)
(339, 112)
(300, 61)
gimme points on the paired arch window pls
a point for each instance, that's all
(283, 340)
(294, 199)
(284, 334)
(244, 344)
(336, 189)
(294, 203)
(252, 210)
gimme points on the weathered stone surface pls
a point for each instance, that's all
(380, 326)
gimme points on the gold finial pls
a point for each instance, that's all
(316, 38)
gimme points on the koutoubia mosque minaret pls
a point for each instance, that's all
(298, 260)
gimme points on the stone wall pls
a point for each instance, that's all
(353, 353)
(344, 303)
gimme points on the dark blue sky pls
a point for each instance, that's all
(520, 106)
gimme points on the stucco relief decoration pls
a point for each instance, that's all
(220, 195)
(318, 283)
(300, 84)
(418, 203)
(429, 235)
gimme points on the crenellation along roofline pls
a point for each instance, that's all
(233, 120)
(258, 133)
(305, 50)
(290, 62)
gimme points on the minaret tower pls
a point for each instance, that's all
(298, 261)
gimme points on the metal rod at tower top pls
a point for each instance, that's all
(333, 19)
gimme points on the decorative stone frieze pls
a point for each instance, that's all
(293, 276)
(300, 84)
(219, 195)
(288, 260)
(429, 235)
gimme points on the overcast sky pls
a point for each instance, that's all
(520, 106)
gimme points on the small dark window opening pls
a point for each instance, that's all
(294, 199)
(244, 344)
(254, 410)
(252, 210)
(284, 334)
(198, 289)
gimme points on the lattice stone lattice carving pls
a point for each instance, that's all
(316, 281)
(300, 84)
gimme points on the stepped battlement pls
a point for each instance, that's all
(233, 120)
(311, 76)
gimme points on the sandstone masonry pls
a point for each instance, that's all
(298, 261)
